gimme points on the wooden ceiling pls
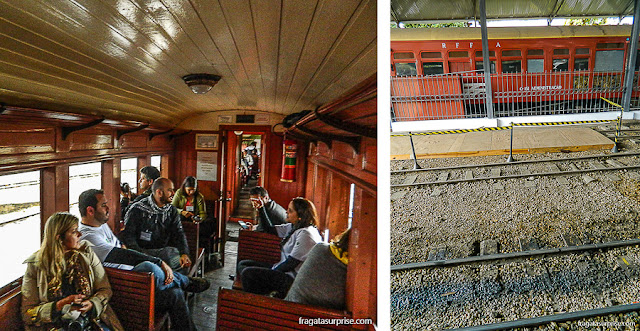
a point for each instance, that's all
(124, 59)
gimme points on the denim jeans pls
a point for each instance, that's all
(179, 280)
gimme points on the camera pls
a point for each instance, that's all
(125, 188)
(196, 219)
(79, 324)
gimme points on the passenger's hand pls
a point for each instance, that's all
(185, 261)
(168, 273)
(85, 307)
(187, 214)
(257, 203)
(74, 298)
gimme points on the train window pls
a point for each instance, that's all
(352, 195)
(491, 54)
(459, 54)
(403, 55)
(156, 161)
(561, 51)
(535, 65)
(480, 66)
(513, 52)
(535, 52)
(580, 64)
(511, 66)
(431, 55)
(582, 51)
(19, 222)
(129, 173)
(406, 69)
(609, 45)
(609, 61)
(560, 64)
(81, 178)
(432, 68)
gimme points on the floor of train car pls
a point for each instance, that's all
(205, 305)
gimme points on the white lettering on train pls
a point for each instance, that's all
(470, 45)
(457, 45)
(498, 44)
(444, 45)
(540, 88)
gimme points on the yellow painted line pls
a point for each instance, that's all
(625, 261)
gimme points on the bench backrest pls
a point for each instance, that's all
(10, 316)
(239, 310)
(258, 246)
(133, 299)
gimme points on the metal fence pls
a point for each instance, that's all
(462, 94)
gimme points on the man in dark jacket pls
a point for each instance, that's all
(148, 175)
(268, 210)
(152, 226)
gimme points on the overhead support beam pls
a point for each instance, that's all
(179, 134)
(3, 108)
(152, 135)
(305, 137)
(121, 133)
(631, 61)
(67, 130)
(485, 59)
(354, 142)
(348, 127)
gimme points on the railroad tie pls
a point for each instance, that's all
(615, 163)
(571, 240)
(562, 181)
(612, 177)
(634, 175)
(528, 244)
(488, 247)
(573, 167)
(410, 179)
(554, 168)
(526, 171)
(443, 177)
(495, 172)
(587, 179)
(498, 186)
(597, 165)
(468, 174)
(436, 192)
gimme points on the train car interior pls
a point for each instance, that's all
(239, 94)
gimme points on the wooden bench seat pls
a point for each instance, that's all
(257, 246)
(196, 253)
(133, 300)
(239, 310)
(10, 316)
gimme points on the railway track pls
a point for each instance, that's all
(518, 169)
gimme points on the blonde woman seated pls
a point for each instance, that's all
(65, 282)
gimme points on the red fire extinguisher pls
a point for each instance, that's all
(289, 156)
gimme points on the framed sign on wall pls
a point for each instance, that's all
(207, 142)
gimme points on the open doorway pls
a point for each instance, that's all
(251, 159)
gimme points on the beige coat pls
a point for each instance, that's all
(37, 310)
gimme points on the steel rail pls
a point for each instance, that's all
(554, 173)
(17, 219)
(518, 162)
(514, 255)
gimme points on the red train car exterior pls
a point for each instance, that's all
(528, 64)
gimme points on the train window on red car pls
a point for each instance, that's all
(582, 51)
(459, 54)
(406, 69)
(580, 64)
(609, 45)
(511, 66)
(513, 52)
(403, 55)
(535, 65)
(535, 52)
(432, 68)
(560, 64)
(431, 55)
(491, 54)
(609, 61)
(561, 51)
(480, 66)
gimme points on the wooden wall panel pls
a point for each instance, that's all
(369, 156)
(133, 141)
(54, 192)
(90, 140)
(283, 192)
(344, 153)
(22, 139)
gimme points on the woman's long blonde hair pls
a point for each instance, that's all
(51, 253)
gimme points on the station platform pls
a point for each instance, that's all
(525, 140)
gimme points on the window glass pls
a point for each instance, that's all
(561, 51)
(535, 65)
(581, 51)
(491, 53)
(581, 64)
(459, 54)
(609, 45)
(609, 61)
(514, 52)
(19, 222)
(405, 55)
(511, 66)
(81, 178)
(535, 52)
(129, 173)
(560, 64)
(432, 68)
(352, 195)
(431, 55)
(480, 66)
(156, 161)
(406, 69)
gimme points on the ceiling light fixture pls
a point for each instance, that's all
(201, 83)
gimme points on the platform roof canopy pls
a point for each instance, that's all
(125, 59)
(409, 11)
